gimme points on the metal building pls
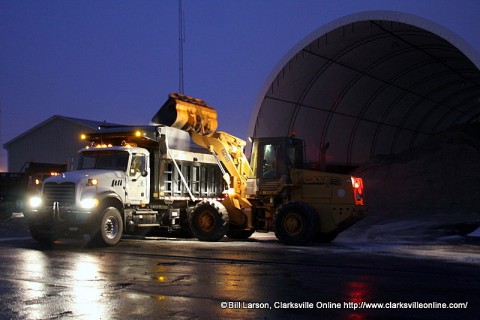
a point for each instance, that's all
(371, 83)
(56, 140)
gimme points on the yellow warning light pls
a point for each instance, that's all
(83, 136)
(138, 133)
(98, 146)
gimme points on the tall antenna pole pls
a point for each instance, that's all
(181, 41)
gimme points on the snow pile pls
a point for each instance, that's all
(434, 187)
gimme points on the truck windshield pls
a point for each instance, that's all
(103, 159)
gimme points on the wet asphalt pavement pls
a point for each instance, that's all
(160, 278)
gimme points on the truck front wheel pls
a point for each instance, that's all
(208, 221)
(296, 223)
(42, 233)
(111, 227)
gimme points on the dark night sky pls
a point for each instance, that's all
(117, 60)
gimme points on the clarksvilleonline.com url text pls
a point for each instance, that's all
(342, 305)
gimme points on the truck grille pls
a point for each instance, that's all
(55, 192)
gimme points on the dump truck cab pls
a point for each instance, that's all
(123, 169)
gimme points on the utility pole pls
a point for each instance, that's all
(181, 41)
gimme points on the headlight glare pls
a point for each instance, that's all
(89, 203)
(35, 202)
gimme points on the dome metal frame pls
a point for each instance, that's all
(377, 82)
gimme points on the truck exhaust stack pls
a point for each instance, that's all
(187, 113)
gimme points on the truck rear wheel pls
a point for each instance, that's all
(208, 221)
(111, 227)
(296, 223)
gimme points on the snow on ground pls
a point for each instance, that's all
(428, 193)
(475, 233)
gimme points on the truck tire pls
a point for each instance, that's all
(42, 232)
(209, 221)
(296, 223)
(111, 227)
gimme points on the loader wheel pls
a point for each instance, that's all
(208, 221)
(111, 227)
(296, 224)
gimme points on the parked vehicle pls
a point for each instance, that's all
(16, 187)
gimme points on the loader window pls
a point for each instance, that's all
(295, 157)
(270, 156)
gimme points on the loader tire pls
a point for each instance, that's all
(209, 221)
(296, 223)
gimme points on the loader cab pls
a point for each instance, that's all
(272, 159)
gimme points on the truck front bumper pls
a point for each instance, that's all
(65, 220)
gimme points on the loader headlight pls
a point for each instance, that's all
(89, 203)
(35, 202)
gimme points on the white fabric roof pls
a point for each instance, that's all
(371, 83)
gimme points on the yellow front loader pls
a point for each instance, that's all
(271, 193)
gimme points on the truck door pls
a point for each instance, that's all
(138, 184)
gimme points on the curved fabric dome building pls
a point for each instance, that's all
(367, 84)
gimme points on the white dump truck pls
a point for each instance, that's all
(128, 179)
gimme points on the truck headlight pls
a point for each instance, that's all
(35, 202)
(92, 182)
(89, 203)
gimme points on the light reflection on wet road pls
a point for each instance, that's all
(188, 279)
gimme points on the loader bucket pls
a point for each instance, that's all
(188, 114)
